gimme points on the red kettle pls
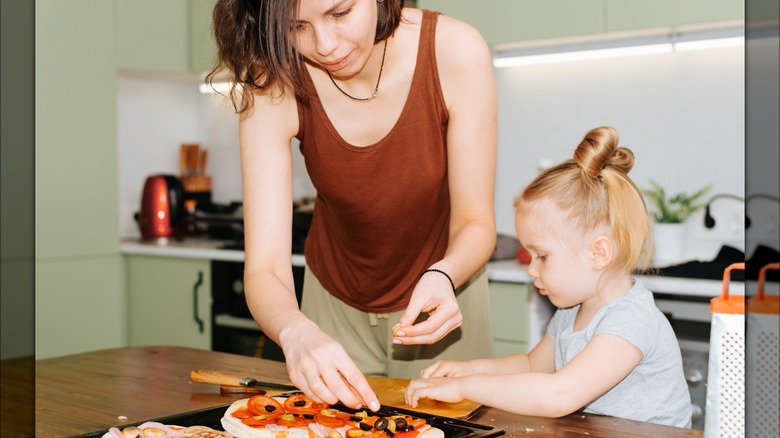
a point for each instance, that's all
(162, 207)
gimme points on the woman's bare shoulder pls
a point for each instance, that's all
(275, 111)
(458, 44)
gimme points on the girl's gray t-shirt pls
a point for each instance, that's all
(655, 391)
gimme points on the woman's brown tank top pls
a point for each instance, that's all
(381, 215)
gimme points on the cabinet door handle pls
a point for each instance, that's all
(195, 288)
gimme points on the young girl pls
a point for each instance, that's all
(607, 349)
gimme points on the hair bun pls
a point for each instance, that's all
(623, 159)
(600, 148)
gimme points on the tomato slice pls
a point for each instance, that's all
(301, 404)
(331, 422)
(357, 433)
(416, 422)
(259, 420)
(242, 413)
(292, 420)
(262, 405)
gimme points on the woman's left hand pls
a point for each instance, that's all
(434, 296)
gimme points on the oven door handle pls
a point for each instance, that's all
(196, 315)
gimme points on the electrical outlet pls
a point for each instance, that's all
(729, 225)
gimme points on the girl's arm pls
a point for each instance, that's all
(317, 364)
(604, 362)
(540, 359)
(466, 76)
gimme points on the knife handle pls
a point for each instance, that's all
(215, 377)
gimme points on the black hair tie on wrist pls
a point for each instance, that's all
(443, 273)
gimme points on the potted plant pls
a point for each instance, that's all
(668, 214)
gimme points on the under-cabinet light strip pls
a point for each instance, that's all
(612, 49)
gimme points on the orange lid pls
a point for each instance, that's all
(764, 304)
(725, 303)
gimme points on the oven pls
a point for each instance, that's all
(691, 320)
(233, 329)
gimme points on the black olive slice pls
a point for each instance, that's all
(270, 408)
(308, 416)
(381, 424)
(299, 403)
(400, 423)
(365, 426)
(356, 418)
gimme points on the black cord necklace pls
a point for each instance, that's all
(376, 89)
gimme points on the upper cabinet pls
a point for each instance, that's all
(172, 36)
(506, 21)
(203, 49)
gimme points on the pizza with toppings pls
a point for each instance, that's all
(297, 416)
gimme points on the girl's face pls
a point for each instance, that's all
(337, 35)
(561, 260)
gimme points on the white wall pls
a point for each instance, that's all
(682, 114)
(156, 115)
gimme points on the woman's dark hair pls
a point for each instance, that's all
(255, 49)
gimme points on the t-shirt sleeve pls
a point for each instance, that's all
(633, 323)
(554, 326)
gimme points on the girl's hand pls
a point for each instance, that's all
(448, 368)
(320, 367)
(446, 389)
(433, 295)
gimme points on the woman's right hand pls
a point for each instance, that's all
(320, 367)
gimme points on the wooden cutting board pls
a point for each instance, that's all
(391, 393)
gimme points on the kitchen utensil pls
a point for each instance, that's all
(227, 389)
(725, 412)
(162, 206)
(234, 380)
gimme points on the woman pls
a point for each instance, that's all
(395, 110)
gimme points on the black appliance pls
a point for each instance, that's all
(233, 328)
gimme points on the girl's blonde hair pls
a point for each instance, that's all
(594, 189)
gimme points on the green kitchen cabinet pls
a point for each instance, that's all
(78, 306)
(510, 306)
(203, 49)
(169, 301)
(635, 14)
(79, 301)
(507, 21)
(171, 36)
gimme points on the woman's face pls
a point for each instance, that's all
(337, 35)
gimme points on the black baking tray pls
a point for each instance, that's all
(452, 427)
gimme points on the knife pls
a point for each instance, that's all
(235, 380)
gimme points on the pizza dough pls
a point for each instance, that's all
(235, 427)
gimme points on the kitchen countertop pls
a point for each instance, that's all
(89, 392)
(503, 270)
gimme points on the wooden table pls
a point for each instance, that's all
(89, 392)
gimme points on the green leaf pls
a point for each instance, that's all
(674, 209)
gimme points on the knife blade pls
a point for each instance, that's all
(227, 379)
